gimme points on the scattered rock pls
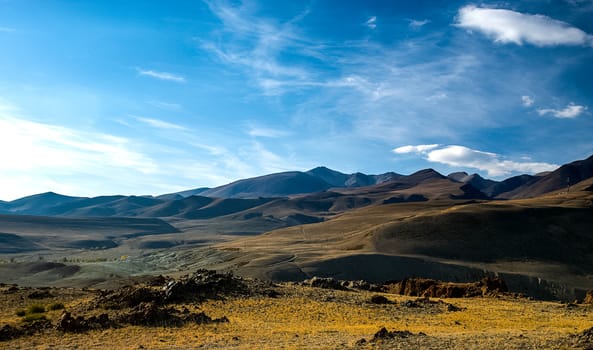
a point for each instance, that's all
(128, 297)
(11, 289)
(424, 287)
(151, 314)
(68, 324)
(585, 338)
(204, 285)
(425, 302)
(325, 282)
(384, 334)
(379, 299)
(332, 283)
(157, 281)
(9, 332)
(39, 294)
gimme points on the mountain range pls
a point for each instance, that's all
(314, 185)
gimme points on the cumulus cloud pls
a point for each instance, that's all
(162, 75)
(371, 22)
(569, 112)
(414, 149)
(460, 156)
(527, 101)
(506, 26)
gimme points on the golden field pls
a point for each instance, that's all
(311, 318)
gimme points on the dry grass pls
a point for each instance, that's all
(312, 318)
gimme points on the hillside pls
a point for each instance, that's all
(546, 238)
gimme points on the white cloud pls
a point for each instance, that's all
(463, 157)
(160, 124)
(255, 44)
(371, 22)
(569, 112)
(418, 23)
(162, 75)
(527, 101)
(166, 105)
(506, 26)
(414, 149)
(266, 132)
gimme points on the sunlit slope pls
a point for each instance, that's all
(548, 237)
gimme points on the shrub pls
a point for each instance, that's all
(34, 317)
(35, 309)
(20, 313)
(56, 306)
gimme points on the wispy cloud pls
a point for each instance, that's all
(371, 22)
(160, 124)
(463, 157)
(414, 149)
(414, 23)
(506, 26)
(255, 44)
(266, 132)
(527, 101)
(569, 112)
(166, 105)
(43, 152)
(162, 75)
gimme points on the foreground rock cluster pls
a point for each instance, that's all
(153, 304)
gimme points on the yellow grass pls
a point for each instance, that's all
(319, 319)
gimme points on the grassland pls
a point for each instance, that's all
(303, 317)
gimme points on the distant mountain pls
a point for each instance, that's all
(338, 179)
(561, 178)
(273, 185)
(39, 204)
(307, 190)
(183, 194)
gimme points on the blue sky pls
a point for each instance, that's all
(150, 97)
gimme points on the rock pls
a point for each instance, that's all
(68, 324)
(325, 282)
(424, 287)
(39, 294)
(203, 285)
(588, 297)
(383, 334)
(9, 332)
(379, 299)
(585, 338)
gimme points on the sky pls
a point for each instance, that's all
(153, 97)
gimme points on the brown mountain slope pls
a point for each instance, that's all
(545, 238)
(561, 178)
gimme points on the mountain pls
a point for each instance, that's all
(540, 246)
(348, 191)
(567, 175)
(183, 194)
(40, 203)
(338, 179)
(486, 186)
(273, 185)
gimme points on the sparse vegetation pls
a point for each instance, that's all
(55, 306)
(299, 317)
(35, 309)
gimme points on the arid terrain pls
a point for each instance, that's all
(81, 273)
(207, 310)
